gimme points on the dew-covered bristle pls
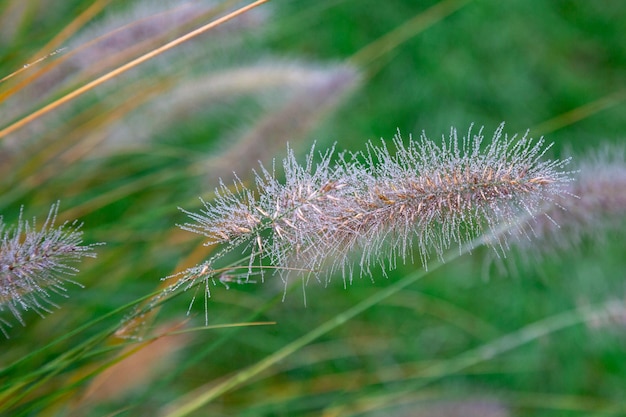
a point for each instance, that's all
(357, 211)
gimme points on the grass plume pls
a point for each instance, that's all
(382, 203)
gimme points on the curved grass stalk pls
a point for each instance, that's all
(248, 373)
(241, 377)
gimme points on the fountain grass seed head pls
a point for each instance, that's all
(385, 204)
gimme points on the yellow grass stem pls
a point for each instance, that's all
(66, 33)
(122, 69)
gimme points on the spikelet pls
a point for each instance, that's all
(385, 203)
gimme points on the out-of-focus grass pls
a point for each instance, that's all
(557, 68)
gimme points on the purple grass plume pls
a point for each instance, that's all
(34, 264)
(397, 201)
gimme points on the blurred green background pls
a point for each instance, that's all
(124, 156)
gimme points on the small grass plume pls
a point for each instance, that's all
(35, 263)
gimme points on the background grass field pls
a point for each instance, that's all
(123, 157)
